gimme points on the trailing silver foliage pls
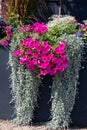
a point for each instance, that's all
(24, 87)
(65, 84)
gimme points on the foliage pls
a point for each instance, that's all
(64, 87)
(21, 10)
(58, 26)
(38, 55)
(24, 87)
(52, 44)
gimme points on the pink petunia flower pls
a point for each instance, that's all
(30, 28)
(34, 61)
(75, 20)
(9, 35)
(5, 42)
(17, 53)
(24, 59)
(23, 28)
(30, 66)
(40, 28)
(8, 28)
(60, 49)
(55, 60)
(83, 26)
(28, 52)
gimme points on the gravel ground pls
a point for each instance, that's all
(7, 125)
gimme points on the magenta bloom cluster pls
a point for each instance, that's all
(5, 42)
(37, 28)
(35, 53)
(38, 55)
(8, 32)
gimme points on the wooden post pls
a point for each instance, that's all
(60, 4)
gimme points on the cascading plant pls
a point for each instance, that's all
(43, 49)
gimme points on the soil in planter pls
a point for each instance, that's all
(42, 111)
